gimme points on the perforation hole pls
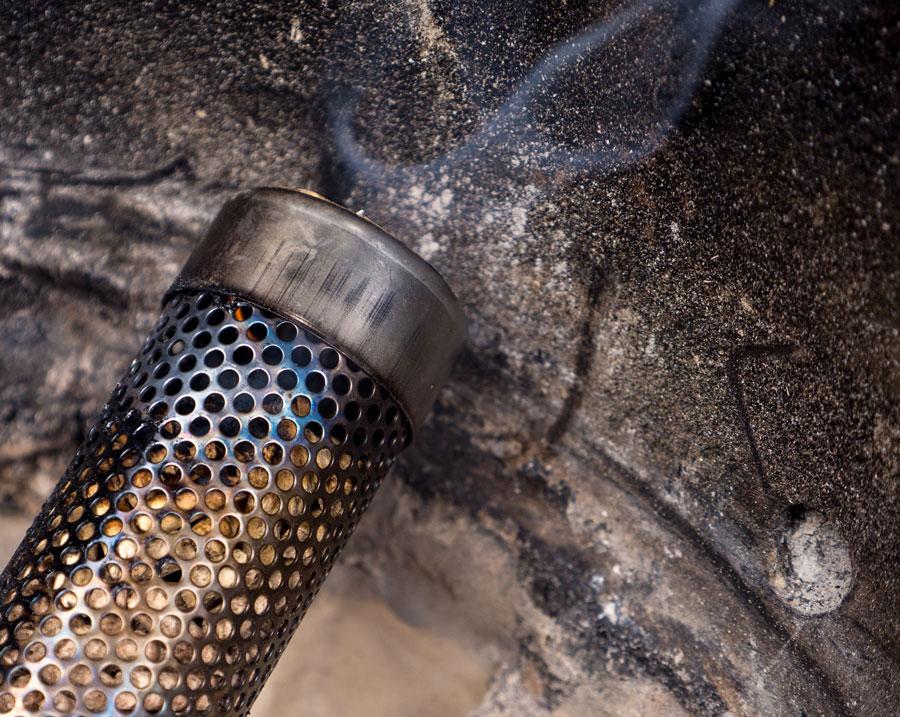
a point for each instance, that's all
(209, 520)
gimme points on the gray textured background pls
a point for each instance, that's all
(664, 476)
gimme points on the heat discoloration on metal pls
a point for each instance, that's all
(341, 275)
(179, 552)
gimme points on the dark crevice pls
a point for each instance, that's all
(76, 282)
(178, 166)
(733, 365)
(584, 358)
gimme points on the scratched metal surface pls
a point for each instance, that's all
(374, 298)
(664, 473)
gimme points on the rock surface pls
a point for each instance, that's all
(664, 476)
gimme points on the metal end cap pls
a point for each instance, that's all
(342, 276)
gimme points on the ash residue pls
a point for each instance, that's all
(608, 308)
(812, 571)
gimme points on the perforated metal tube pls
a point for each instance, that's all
(177, 555)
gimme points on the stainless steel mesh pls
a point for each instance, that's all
(177, 555)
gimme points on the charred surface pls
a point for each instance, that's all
(664, 476)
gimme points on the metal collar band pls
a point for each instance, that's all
(343, 277)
